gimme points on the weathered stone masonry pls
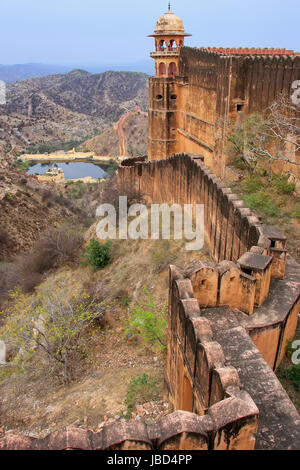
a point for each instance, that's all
(228, 323)
(231, 228)
(228, 328)
(251, 293)
(227, 421)
(230, 424)
(187, 113)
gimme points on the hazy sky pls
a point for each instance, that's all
(93, 32)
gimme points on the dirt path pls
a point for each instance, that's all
(119, 127)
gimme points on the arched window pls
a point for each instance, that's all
(172, 70)
(172, 46)
(162, 45)
(162, 69)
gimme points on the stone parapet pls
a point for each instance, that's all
(230, 425)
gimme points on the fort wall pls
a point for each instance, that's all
(228, 327)
(219, 416)
(229, 323)
(210, 89)
(211, 358)
(249, 253)
(229, 425)
(231, 228)
(212, 412)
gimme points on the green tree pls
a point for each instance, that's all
(98, 255)
(142, 388)
(149, 322)
(246, 139)
(266, 138)
(49, 328)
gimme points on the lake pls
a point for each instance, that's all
(72, 170)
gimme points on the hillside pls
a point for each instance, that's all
(101, 385)
(128, 136)
(102, 381)
(28, 207)
(62, 111)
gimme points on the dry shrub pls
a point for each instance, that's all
(99, 292)
(57, 246)
(16, 274)
(4, 236)
(4, 281)
(50, 198)
(47, 195)
(51, 328)
(5, 240)
(13, 275)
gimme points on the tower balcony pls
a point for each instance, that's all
(174, 52)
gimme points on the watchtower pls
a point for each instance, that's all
(164, 97)
(169, 37)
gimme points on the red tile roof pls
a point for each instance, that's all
(251, 51)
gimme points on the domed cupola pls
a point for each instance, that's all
(169, 23)
(169, 37)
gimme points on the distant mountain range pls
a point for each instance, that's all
(13, 73)
(17, 72)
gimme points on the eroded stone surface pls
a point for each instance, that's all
(279, 421)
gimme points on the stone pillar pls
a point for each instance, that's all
(258, 266)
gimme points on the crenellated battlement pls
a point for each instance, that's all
(230, 227)
(252, 51)
(242, 308)
(229, 425)
(228, 328)
(212, 88)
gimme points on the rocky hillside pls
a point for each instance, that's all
(129, 136)
(24, 213)
(63, 111)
